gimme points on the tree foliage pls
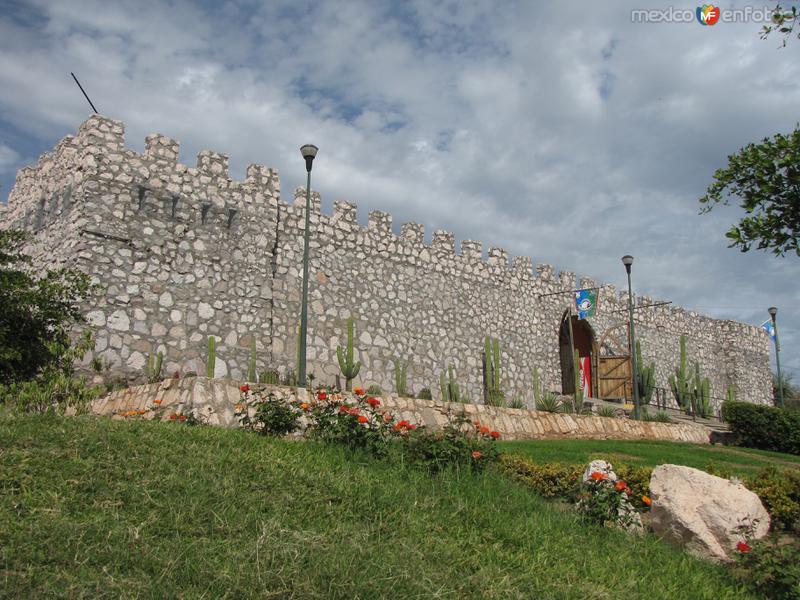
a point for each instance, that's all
(36, 311)
(783, 22)
(765, 178)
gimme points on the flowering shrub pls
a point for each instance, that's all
(459, 443)
(549, 480)
(770, 566)
(604, 501)
(271, 416)
(362, 424)
(780, 493)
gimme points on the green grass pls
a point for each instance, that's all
(739, 461)
(91, 508)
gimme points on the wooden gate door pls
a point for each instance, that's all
(614, 377)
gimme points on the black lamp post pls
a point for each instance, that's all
(772, 313)
(309, 151)
(627, 260)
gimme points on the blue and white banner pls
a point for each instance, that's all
(769, 327)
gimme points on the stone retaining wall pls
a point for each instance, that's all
(214, 400)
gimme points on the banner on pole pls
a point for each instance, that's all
(586, 302)
(769, 327)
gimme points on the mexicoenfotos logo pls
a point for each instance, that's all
(708, 14)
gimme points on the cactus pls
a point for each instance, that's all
(270, 377)
(491, 370)
(449, 386)
(538, 388)
(400, 380)
(680, 383)
(577, 402)
(425, 394)
(251, 365)
(153, 367)
(730, 394)
(211, 360)
(645, 377)
(701, 395)
(349, 368)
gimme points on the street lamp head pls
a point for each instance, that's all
(309, 151)
(772, 311)
(627, 260)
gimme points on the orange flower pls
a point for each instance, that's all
(484, 430)
(239, 407)
(646, 500)
(495, 434)
(156, 401)
(374, 402)
(743, 546)
(362, 419)
(476, 454)
(305, 405)
(358, 391)
(477, 424)
(620, 485)
(598, 476)
(141, 411)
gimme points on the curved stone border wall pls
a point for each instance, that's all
(213, 401)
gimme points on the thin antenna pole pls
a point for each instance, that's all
(84, 93)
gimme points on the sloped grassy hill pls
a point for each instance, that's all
(91, 508)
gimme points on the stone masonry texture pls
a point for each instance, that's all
(183, 253)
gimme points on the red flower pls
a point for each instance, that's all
(244, 388)
(743, 546)
(495, 434)
(362, 419)
(374, 402)
(477, 424)
(598, 476)
(353, 411)
(476, 454)
(387, 417)
(412, 427)
(484, 430)
(182, 418)
(404, 423)
(322, 395)
(344, 408)
(173, 416)
(620, 485)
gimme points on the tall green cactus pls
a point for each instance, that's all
(449, 386)
(577, 402)
(400, 385)
(270, 377)
(211, 360)
(645, 376)
(730, 394)
(349, 368)
(251, 364)
(680, 383)
(153, 367)
(701, 394)
(492, 380)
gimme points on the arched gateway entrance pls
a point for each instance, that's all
(583, 340)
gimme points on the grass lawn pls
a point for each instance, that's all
(739, 461)
(91, 508)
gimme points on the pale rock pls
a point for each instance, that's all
(205, 311)
(706, 514)
(119, 321)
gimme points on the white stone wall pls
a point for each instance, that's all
(183, 253)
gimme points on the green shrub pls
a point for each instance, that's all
(375, 390)
(764, 427)
(770, 567)
(272, 416)
(517, 402)
(551, 480)
(549, 402)
(638, 480)
(425, 394)
(459, 444)
(780, 493)
(607, 411)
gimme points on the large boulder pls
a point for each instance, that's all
(706, 514)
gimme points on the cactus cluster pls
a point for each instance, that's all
(491, 372)
(153, 367)
(701, 394)
(645, 376)
(400, 385)
(251, 364)
(211, 359)
(347, 365)
(270, 377)
(692, 392)
(449, 386)
(680, 382)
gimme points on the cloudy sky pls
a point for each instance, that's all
(564, 132)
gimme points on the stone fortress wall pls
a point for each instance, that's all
(182, 253)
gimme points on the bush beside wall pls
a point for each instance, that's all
(764, 427)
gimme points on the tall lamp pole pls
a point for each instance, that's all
(309, 151)
(627, 260)
(772, 313)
